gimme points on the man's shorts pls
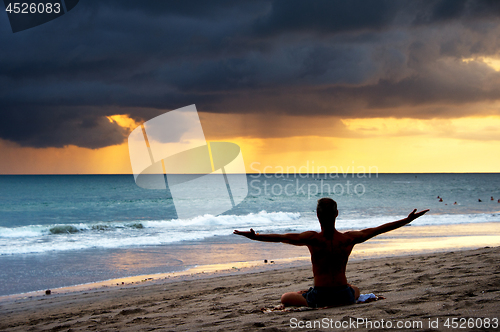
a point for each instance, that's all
(317, 297)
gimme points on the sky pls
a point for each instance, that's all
(394, 86)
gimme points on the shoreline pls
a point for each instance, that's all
(194, 273)
(417, 288)
(408, 240)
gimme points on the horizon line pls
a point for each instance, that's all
(260, 173)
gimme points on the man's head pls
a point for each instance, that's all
(327, 212)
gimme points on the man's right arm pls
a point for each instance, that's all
(297, 239)
(368, 233)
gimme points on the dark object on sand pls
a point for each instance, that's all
(265, 261)
(47, 292)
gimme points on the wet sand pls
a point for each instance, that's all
(427, 288)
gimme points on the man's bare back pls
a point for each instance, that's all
(329, 257)
(330, 250)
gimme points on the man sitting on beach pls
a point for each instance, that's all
(330, 250)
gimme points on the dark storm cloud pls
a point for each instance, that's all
(41, 126)
(350, 58)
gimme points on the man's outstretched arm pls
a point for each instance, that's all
(298, 239)
(368, 233)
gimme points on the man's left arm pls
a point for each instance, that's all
(297, 239)
(368, 233)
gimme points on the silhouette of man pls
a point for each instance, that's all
(330, 250)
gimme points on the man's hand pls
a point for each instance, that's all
(412, 216)
(251, 235)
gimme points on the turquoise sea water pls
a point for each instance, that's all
(59, 230)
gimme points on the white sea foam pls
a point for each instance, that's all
(60, 237)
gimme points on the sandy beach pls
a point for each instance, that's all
(432, 290)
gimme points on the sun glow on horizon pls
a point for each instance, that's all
(387, 145)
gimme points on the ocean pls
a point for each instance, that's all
(63, 230)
